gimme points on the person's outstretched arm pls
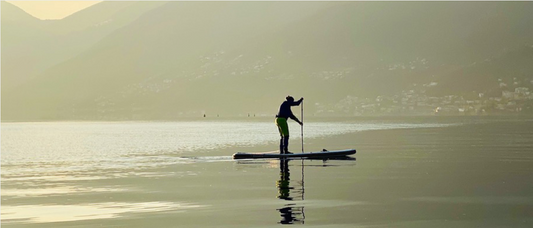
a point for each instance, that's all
(298, 102)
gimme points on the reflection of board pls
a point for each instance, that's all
(321, 154)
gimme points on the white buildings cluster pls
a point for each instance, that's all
(413, 102)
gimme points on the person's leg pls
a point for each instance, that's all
(286, 144)
(283, 128)
(280, 136)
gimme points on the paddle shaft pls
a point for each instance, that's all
(302, 129)
(302, 126)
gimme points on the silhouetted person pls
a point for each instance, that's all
(285, 113)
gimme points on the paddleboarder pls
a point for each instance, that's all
(285, 113)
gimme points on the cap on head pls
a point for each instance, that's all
(289, 98)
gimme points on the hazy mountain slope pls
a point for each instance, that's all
(512, 67)
(446, 37)
(12, 15)
(19, 31)
(375, 48)
(30, 46)
(167, 42)
(238, 57)
(104, 14)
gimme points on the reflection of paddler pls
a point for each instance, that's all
(290, 214)
(284, 181)
(287, 216)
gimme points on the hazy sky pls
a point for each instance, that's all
(52, 9)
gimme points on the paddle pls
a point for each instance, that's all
(302, 130)
(302, 126)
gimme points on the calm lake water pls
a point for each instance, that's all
(408, 172)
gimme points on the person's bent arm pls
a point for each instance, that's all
(296, 119)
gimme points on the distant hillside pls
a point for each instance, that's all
(30, 46)
(11, 13)
(19, 30)
(229, 58)
(485, 75)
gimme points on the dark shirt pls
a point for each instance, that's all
(285, 109)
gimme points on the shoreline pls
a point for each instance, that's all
(267, 117)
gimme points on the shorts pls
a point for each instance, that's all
(283, 127)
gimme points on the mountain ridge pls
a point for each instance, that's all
(182, 58)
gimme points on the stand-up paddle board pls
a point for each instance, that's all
(276, 154)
